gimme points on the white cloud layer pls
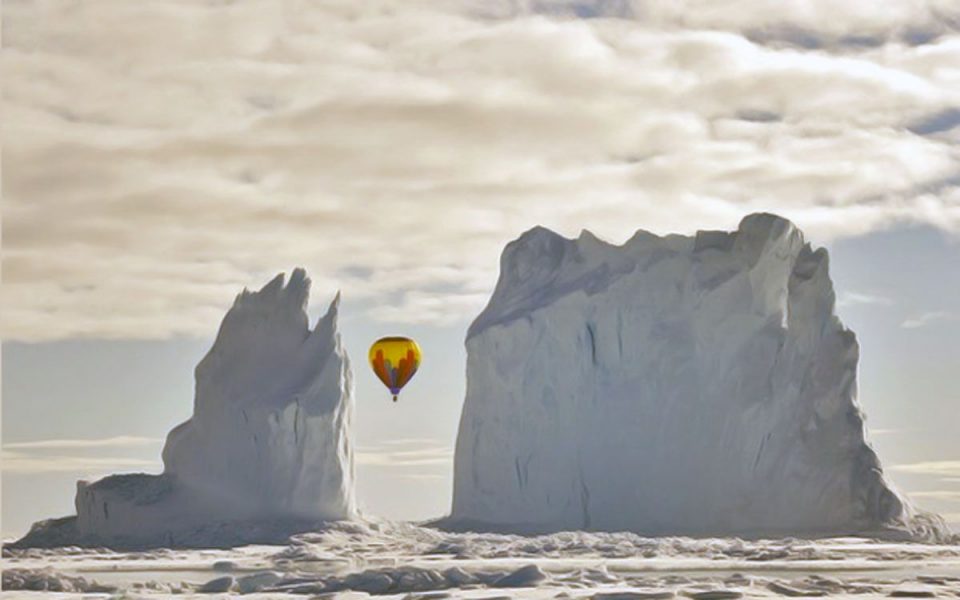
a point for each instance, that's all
(849, 298)
(17, 462)
(945, 468)
(388, 455)
(948, 495)
(926, 318)
(120, 441)
(90, 456)
(161, 154)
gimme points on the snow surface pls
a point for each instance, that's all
(672, 385)
(268, 442)
(390, 560)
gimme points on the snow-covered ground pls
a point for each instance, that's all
(386, 559)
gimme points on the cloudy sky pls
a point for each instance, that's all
(160, 155)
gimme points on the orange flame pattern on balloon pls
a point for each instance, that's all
(395, 360)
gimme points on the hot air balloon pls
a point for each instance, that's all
(395, 360)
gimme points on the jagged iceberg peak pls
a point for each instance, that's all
(272, 409)
(266, 332)
(541, 265)
(670, 385)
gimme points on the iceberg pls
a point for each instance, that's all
(678, 385)
(267, 451)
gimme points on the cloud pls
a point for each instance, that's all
(121, 441)
(883, 431)
(948, 495)
(926, 318)
(16, 462)
(85, 455)
(848, 299)
(807, 24)
(946, 468)
(425, 307)
(418, 442)
(394, 149)
(380, 456)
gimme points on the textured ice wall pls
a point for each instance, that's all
(270, 432)
(672, 385)
(267, 449)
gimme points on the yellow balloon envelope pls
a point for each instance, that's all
(395, 360)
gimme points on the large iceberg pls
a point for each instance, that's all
(266, 452)
(672, 385)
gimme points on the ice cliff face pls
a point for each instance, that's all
(267, 449)
(672, 385)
